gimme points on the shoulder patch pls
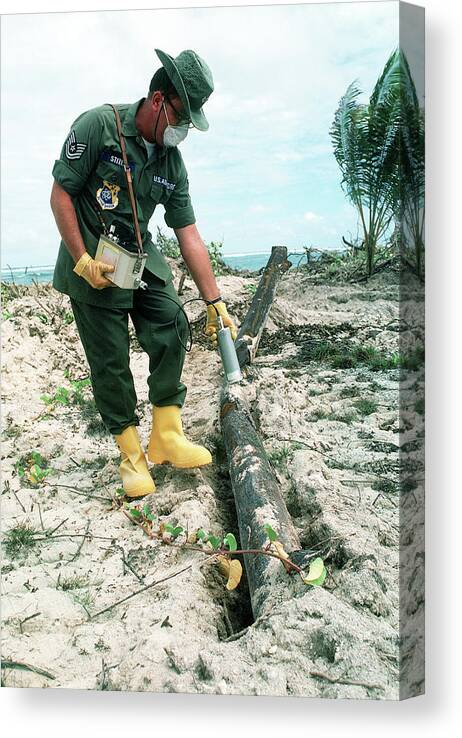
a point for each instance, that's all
(74, 150)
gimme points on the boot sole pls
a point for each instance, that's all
(134, 494)
(137, 497)
(180, 466)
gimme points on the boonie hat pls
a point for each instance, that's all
(193, 80)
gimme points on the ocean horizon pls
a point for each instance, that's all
(42, 274)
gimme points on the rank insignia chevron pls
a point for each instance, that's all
(74, 150)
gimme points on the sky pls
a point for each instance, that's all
(264, 173)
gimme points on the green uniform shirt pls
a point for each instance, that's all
(90, 169)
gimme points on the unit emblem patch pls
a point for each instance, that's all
(74, 150)
(107, 195)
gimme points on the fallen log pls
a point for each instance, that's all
(258, 501)
(251, 329)
(256, 489)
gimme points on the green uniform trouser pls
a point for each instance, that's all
(104, 336)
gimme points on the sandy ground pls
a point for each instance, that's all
(337, 461)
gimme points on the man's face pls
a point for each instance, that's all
(166, 110)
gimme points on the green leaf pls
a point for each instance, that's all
(316, 568)
(62, 396)
(320, 580)
(317, 572)
(168, 528)
(120, 491)
(216, 542)
(230, 541)
(147, 513)
(272, 535)
(176, 531)
(201, 534)
(135, 513)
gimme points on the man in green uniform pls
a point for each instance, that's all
(90, 195)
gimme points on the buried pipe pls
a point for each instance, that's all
(255, 487)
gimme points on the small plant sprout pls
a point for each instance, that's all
(173, 530)
(65, 396)
(317, 571)
(60, 397)
(216, 548)
(148, 514)
(32, 468)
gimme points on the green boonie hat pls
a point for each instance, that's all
(193, 81)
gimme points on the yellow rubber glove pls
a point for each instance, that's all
(212, 322)
(93, 271)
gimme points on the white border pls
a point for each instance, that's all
(57, 712)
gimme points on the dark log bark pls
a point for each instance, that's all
(252, 326)
(258, 501)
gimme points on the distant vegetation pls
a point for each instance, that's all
(170, 247)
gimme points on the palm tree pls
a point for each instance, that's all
(411, 193)
(377, 148)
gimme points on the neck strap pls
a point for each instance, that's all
(128, 175)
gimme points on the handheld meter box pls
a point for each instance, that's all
(128, 265)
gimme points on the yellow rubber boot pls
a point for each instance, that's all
(136, 478)
(168, 444)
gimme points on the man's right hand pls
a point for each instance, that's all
(93, 271)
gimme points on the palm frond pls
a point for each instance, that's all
(379, 148)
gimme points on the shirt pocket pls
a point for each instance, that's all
(159, 194)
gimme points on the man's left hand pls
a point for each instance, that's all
(211, 329)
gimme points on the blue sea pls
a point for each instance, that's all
(28, 275)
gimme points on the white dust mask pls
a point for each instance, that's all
(174, 135)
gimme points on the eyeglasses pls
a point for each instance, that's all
(181, 118)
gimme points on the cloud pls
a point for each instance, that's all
(312, 217)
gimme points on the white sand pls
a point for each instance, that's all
(340, 640)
